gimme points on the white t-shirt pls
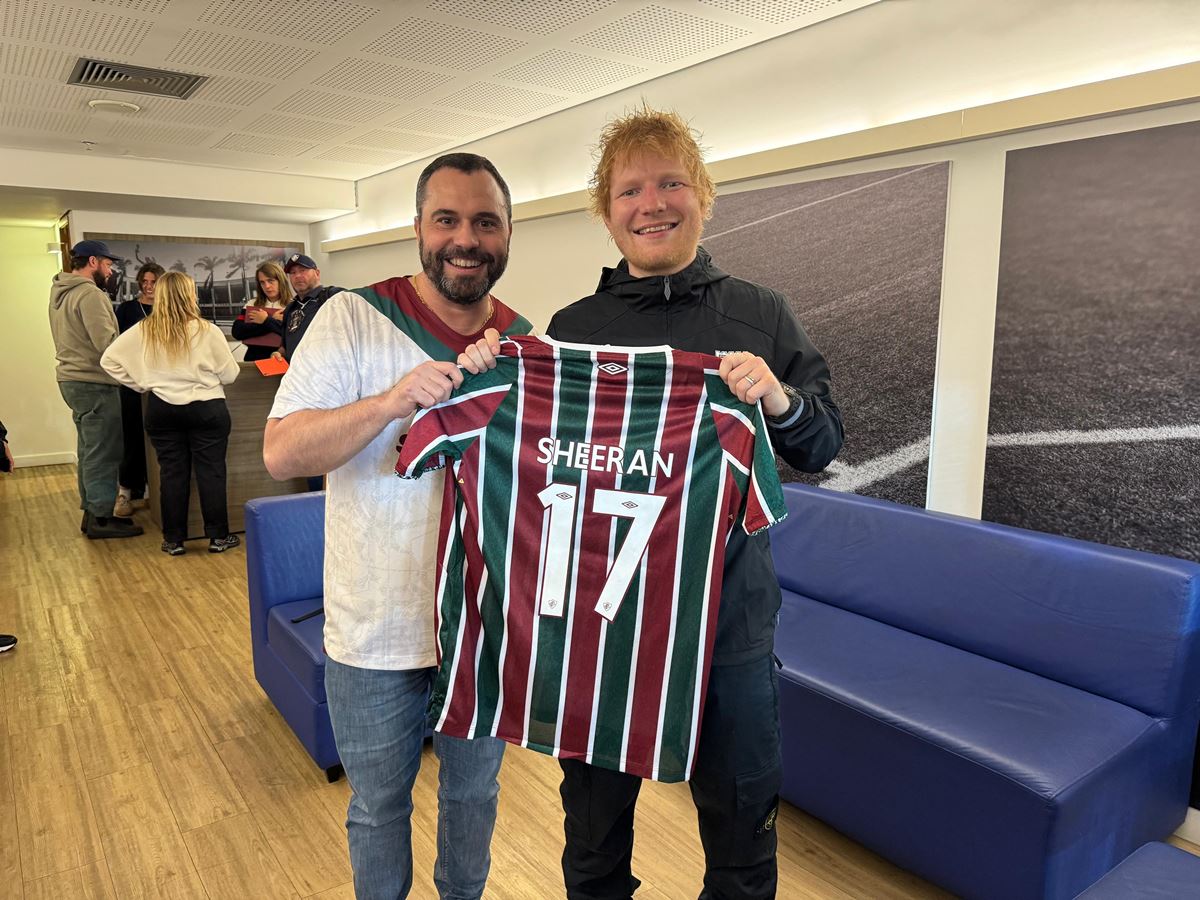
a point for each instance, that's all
(200, 374)
(381, 531)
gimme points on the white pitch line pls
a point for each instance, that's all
(851, 479)
(786, 212)
(1097, 436)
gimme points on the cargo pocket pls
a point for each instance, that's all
(757, 807)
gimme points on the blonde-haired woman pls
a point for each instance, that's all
(183, 361)
(262, 331)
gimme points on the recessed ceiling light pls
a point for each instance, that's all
(117, 106)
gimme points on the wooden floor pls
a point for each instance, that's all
(138, 757)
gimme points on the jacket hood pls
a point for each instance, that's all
(656, 289)
(64, 283)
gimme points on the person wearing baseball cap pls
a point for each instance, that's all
(311, 295)
(83, 324)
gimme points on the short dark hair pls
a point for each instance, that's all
(466, 163)
(79, 262)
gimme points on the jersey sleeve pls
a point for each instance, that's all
(450, 428)
(742, 431)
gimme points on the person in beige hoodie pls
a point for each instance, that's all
(82, 324)
(184, 363)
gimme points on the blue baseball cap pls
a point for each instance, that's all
(84, 249)
(299, 259)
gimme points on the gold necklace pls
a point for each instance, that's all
(425, 303)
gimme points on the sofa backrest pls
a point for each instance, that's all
(1118, 623)
(285, 549)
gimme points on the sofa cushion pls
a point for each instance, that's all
(1037, 732)
(1153, 872)
(991, 781)
(1113, 622)
(300, 645)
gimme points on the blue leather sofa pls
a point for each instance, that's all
(1005, 713)
(1154, 872)
(285, 557)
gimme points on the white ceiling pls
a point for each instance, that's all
(344, 90)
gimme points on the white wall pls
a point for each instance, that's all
(38, 420)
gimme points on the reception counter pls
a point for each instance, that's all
(249, 398)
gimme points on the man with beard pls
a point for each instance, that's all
(83, 324)
(370, 359)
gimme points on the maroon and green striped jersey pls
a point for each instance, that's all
(588, 499)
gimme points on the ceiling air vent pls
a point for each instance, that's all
(135, 79)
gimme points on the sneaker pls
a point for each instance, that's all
(99, 527)
(220, 545)
(123, 508)
(173, 548)
(7, 642)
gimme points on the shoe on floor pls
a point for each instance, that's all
(7, 642)
(220, 545)
(99, 527)
(173, 548)
(83, 522)
(123, 508)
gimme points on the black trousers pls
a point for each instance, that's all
(187, 438)
(133, 459)
(735, 786)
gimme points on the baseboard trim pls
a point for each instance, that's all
(31, 460)
(1190, 829)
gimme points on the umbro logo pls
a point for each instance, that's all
(721, 354)
(612, 369)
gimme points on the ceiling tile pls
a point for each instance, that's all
(146, 133)
(35, 62)
(439, 44)
(234, 91)
(444, 122)
(365, 157)
(365, 76)
(776, 12)
(294, 127)
(335, 106)
(487, 95)
(562, 70)
(44, 120)
(208, 50)
(154, 7)
(521, 15)
(661, 34)
(397, 140)
(64, 26)
(267, 146)
(316, 21)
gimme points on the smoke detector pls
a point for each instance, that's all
(114, 106)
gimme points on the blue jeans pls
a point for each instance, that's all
(379, 724)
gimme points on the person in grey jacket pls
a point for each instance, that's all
(83, 324)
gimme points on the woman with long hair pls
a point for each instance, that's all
(132, 481)
(184, 362)
(260, 325)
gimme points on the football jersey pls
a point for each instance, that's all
(588, 497)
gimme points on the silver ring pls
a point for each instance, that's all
(750, 379)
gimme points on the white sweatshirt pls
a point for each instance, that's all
(198, 375)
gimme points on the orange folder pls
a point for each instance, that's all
(271, 366)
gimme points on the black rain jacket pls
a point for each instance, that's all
(704, 310)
